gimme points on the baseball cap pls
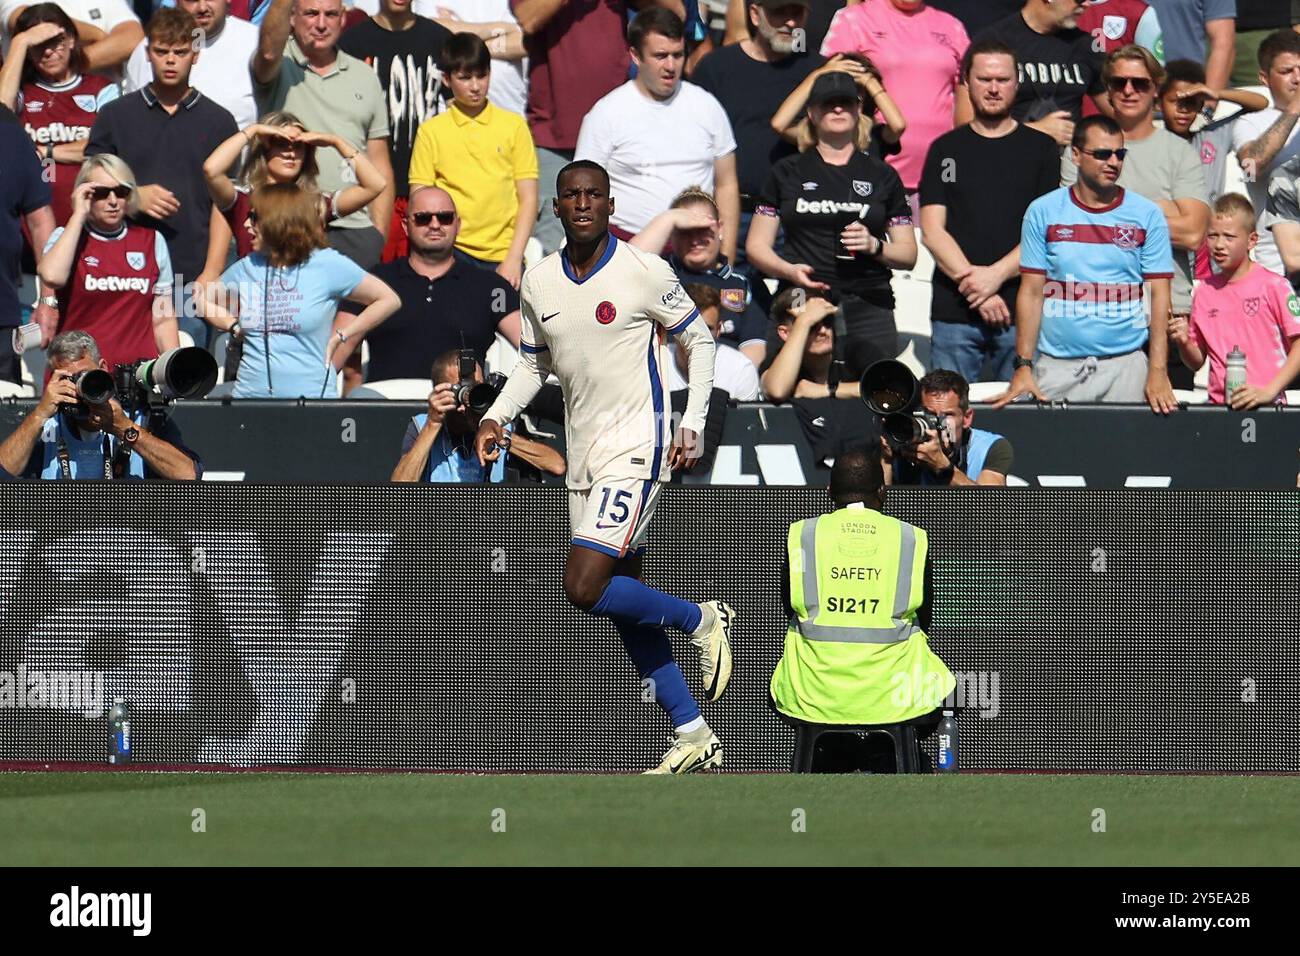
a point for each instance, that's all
(833, 86)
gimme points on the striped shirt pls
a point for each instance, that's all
(1095, 262)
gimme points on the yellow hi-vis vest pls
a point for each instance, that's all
(853, 651)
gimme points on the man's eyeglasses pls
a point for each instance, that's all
(1140, 84)
(103, 192)
(445, 218)
(1105, 154)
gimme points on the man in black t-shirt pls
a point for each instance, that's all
(975, 15)
(1058, 67)
(751, 80)
(402, 49)
(977, 183)
(443, 297)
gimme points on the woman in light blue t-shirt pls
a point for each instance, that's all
(283, 299)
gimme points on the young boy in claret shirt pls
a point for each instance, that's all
(1245, 306)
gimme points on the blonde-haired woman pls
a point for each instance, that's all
(282, 300)
(846, 219)
(280, 150)
(113, 277)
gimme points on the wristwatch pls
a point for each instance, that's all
(50, 301)
(342, 335)
(49, 151)
(1020, 362)
(131, 435)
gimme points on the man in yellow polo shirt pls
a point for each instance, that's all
(855, 649)
(484, 157)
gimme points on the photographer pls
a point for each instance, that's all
(954, 454)
(439, 445)
(80, 440)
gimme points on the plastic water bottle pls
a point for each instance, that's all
(1235, 377)
(119, 732)
(947, 743)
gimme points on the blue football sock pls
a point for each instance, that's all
(627, 600)
(652, 654)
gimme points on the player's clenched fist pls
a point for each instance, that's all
(489, 441)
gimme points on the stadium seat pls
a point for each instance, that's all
(186, 340)
(501, 357)
(1195, 396)
(13, 390)
(987, 391)
(401, 389)
(907, 749)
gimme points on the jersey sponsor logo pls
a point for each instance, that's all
(1208, 153)
(92, 261)
(57, 132)
(1251, 307)
(1293, 305)
(135, 260)
(1114, 27)
(1126, 237)
(1064, 232)
(606, 313)
(826, 207)
(34, 106)
(118, 284)
(84, 101)
(733, 299)
(809, 187)
(673, 295)
(862, 188)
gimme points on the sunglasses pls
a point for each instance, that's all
(1116, 84)
(445, 218)
(102, 192)
(1105, 154)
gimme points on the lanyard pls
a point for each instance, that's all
(65, 460)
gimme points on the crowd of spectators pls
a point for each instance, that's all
(282, 181)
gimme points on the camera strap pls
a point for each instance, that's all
(266, 324)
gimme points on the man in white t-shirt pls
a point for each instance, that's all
(732, 371)
(1265, 140)
(657, 135)
(221, 71)
(113, 18)
(494, 23)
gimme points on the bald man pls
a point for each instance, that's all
(443, 296)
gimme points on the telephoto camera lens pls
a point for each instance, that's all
(94, 386)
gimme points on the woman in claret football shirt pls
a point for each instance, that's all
(280, 150)
(114, 278)
(45, 83)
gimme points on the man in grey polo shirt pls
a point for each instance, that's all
(308, 75)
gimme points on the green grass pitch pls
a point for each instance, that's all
(119, 819)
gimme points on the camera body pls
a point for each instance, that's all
(147, 384)
(476, 396)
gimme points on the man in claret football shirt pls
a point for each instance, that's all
(596, 313)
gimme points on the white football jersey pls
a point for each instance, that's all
(601, 336)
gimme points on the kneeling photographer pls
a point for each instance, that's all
(439, 445)
(928, 438)
(83, 430)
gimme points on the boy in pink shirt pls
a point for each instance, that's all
(1245, 306)
(918, 51)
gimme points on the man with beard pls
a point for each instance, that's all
(977, 183)
(751, 79)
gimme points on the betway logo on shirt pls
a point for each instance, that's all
(139, 284)
(827, 207)
(57, 133)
